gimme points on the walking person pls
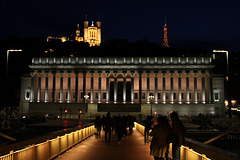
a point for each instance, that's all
(178, 135)
(119, 125)
(148, 126)
(107, 127)
(130, 124)
(159, 143)
(166, 121)
(98, 126)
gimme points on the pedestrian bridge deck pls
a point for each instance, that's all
(131, 148)
(67, 147)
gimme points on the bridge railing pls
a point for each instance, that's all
(50, 148)
(196, 150)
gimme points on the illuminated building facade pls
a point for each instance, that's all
(123, 85)
(91, 35)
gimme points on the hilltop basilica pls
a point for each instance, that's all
(91, 35)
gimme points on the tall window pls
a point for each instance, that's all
(96, 95)
(216, 94)
(27, 94)
(74, 95)
(159, 95)
(135, 95)
(167, 96)
(143, 95)
(104, 95)
(81, 95)
(174, 95)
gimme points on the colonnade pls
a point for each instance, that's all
(182, 87)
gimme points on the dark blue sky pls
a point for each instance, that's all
(195, 23)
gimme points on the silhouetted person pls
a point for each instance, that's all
(148, 126)
(178, 135)
(98, 125)
(165, 119)
(131, 124)
(119, 125)
(125, 125)
(160, 142)
(107, 127)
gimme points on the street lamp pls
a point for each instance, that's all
(8, 51)
(151, 97)
(86, 97)
(228, 83)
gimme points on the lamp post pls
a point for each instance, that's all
(86, 97)
(228, 83)
(151, 97)
(6, 83)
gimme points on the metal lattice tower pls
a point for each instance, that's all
(165, 39)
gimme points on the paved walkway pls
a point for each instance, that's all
(131, 148)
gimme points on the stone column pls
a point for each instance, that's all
(115, 88)
(148, 88)
(187, 94)
(203, 90)
(107, 88)
(124, 88)
(132, 88)
(179, 89)
(171, 92)
(156, 88)
(39, 88)
(99, 87)
(32, 87)
(210, 88)
(140, 87)
(164, 90)
(195, 90)
(69, 88)
(84, 87)
(54, 86)
(76, 87)
(92, 85)
(46, 88)
(61, 87)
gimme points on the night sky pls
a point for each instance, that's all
(197, 23)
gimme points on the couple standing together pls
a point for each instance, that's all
(163, 134)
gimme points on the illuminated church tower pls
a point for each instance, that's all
(92, 34)
(78, 38)
(165, 39)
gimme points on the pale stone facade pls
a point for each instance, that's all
(137, 85)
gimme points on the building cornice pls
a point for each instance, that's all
(135, 62)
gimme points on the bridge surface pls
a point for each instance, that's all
(131, 148)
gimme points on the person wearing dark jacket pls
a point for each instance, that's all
(169, 138)
(148, 126)
(178, 135)
(98, 125)
(160, 139)
(107, 127)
